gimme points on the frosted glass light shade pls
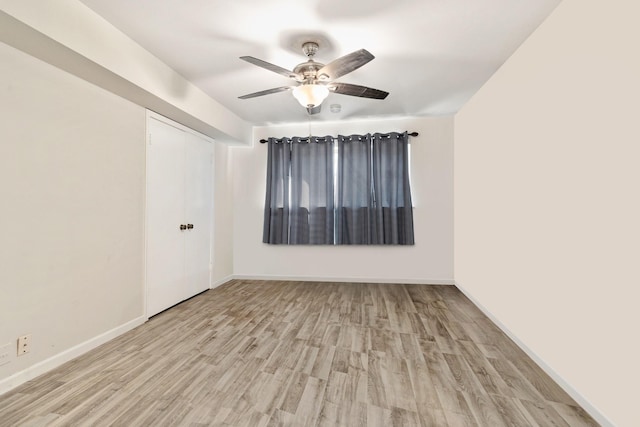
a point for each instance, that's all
(310, 95)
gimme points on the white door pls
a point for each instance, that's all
(165, 213)
(179, 193)
(198, 213)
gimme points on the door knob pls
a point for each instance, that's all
(189, 226)
(183, 227)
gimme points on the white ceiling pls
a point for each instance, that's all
(431, 55)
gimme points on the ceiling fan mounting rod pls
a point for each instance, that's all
(310, 49)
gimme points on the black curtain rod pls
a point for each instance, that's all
(262, 141)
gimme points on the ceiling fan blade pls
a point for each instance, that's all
(356, 90)
(314, 110)
(266, 92)
(269, 66)
(345, 64)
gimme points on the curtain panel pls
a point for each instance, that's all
(299, 202)
(349, 190)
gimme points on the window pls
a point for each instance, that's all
(339, 191)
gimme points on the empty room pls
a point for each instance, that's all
(320, 213)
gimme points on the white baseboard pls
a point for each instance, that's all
(346, 279)
(46, 365)
(584, 403)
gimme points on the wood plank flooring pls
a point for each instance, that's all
(275, 353)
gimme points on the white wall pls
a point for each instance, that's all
(547, 205)
(223, 216)
(429, 261)
(72, 215)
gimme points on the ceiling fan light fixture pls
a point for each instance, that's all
(310, 95)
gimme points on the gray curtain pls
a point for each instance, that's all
(374, 196)
(355, 206)
(276, 206)
(299, 201)
(365, 201)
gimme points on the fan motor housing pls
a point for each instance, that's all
(308, 69)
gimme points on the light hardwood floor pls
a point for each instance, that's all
(258, 353)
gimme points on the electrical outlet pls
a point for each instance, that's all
(24, 344)
(4, 354)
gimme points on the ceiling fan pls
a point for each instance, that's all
(315, 80)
